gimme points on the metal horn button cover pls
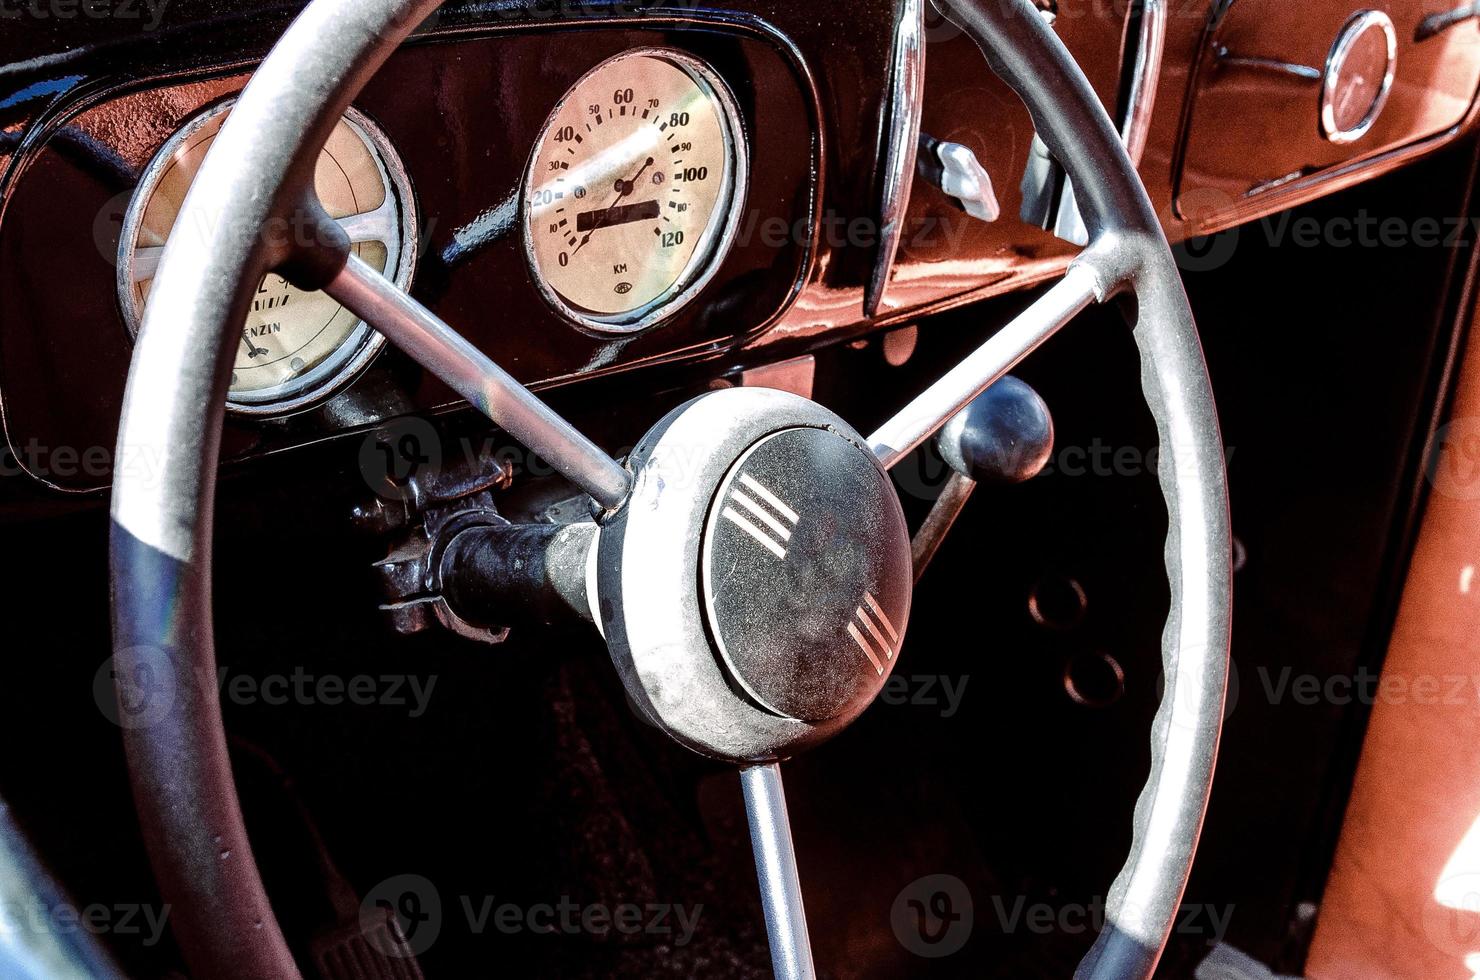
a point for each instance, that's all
(803, 537)
(755, 589)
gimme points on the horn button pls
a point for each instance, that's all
(755, 588)
(805, 588)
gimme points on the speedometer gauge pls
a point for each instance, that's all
(296, 347)
(633, 190)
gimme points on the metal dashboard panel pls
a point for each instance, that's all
(463, 113)
(1253, 120)
(84, 106)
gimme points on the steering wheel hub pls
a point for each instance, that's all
(755, 589)
(806, 574)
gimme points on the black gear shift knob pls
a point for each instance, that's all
(1004, 436)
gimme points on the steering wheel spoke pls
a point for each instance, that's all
(469, 372)
(379, 225)
(1081, 286)
(776, 872)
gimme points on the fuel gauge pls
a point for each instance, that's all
(296, 347)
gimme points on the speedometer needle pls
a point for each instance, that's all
(252, 349)
(624, 188)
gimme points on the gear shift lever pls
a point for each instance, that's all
(1004, 436)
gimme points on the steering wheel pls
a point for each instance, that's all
(723, 671)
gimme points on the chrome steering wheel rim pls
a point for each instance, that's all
(168, 450)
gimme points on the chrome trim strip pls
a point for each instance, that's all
(740, 521)
(770, 498)
(1140, 106)
(764, 515)
(902, 130)
(863, 645)
(873, 631)
(1435, 24)
(1140, 101)
(1226, 59)
(873, 604)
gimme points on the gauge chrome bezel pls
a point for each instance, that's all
(1355, 28)
(719, 234)
(362, 344)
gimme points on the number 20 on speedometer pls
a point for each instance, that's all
(633, 190)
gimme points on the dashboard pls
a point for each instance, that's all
(588, 189)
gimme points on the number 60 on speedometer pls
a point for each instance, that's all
(633, 191)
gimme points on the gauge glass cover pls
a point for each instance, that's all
(632, 195)
(296, 347)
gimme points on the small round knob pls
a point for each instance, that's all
(1004, 436)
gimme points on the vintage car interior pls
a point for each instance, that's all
(733, 488)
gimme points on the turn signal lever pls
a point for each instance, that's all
(1004, 436)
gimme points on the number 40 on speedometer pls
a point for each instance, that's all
(633, 190)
